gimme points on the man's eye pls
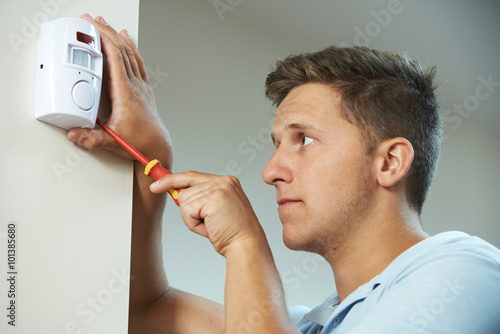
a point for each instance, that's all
(306, 140)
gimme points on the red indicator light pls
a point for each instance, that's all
(84, 38)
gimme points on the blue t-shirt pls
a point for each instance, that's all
(447, 283)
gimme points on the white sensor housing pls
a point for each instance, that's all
(68, 74)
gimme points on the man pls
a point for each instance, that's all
(357, 136)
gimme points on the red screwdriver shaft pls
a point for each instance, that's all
(132, 150)
(153, 167)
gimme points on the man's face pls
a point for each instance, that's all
(321, 170)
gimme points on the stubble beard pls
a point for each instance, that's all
(342, 226)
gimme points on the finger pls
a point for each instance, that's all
(105, 28)
(191, 212)
(92, 139)
(117, 49)
(141, 65)
(102, 27)
(87, 16)
(123, 42)
(191, 215)
(181, 180)
(131, 53)
(115, 61)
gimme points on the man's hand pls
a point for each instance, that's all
(213, 206)
(135, 118)
(216, 207)
(134, 115)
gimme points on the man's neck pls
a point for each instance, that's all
(369, 251)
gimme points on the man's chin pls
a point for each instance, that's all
(300, 242)
(294, 242)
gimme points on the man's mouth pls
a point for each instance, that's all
(284, 203)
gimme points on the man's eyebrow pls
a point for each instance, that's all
(296, 126)
(303, 126)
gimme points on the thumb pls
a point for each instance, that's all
(91, 139)
(162, 185)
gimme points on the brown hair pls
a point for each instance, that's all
(386, 95)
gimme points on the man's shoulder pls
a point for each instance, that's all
(434, 284)
(452, 269)
(461, 241)
(451, 280)
(446, 251)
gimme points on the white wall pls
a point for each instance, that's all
(209, 77)
(71, 208)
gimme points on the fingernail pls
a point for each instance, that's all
(103, 21)
(153, 185)
(125, 31)
(87, 16)
(76, 138)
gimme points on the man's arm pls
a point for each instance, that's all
(216, 207)
(154, 306)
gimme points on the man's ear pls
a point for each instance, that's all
(393, 160)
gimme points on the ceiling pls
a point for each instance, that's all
(460, 36)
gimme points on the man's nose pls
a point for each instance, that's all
(277, 169)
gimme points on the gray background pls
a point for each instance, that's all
(208, 70)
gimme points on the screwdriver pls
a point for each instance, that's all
(153, 167)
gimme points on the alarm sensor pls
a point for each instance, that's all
(68, 74)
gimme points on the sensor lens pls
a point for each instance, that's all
(82, 58)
